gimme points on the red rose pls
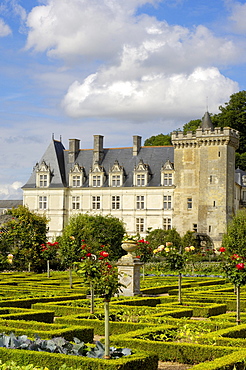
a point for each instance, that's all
(83, 246)
(235, 256)
(138, 257)
(109, 266)
(104, 254)
(240, 266)
(222, 249)
(101, 258)
(88, 255)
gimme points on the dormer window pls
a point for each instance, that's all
(167, 174)
(244, 180)
(141, 175)
(43, 175)
(116, 175)
(97, 175)
(76, 176)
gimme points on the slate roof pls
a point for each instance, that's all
(206, 122)
(10, 203)
(57, 158)
(238, 177)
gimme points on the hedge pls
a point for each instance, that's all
(139, 360)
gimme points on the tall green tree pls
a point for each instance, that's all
(158, 140)
(92, 230)
(24, 233)
(233, 114)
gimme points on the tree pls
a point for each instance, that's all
(233, 114)
(192, 125)
(24, 232)
(233, 251)
(171, 250)
(158, 140)
(159, 236)
(93, 230)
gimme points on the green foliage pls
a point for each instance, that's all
(159, 236)
(23, 234)
(240, 161)
(97, 272)
(235, 237)
(192, 125)
(233, 114)
(233, 249)
(59, 345)
(11, 365)
(144, 251)
(95, 230)
(158, 140)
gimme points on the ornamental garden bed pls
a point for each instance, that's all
(213, 338)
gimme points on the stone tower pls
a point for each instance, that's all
(204, 179)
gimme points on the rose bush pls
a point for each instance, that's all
(234, 266)
(96, 270)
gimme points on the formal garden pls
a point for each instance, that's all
(62, 307)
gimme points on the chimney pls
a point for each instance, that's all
(136, 144)
(73, 150)
(98, 149)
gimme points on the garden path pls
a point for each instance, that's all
(172, 366)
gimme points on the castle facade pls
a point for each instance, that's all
(189, 185)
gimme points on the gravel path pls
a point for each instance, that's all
(172, 366)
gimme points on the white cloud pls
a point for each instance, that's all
(154, 96)
(4, 29)
(238, 16)
(142, 67)
(11, 191)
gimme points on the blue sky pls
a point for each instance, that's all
(75, 68)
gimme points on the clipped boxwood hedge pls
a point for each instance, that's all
(139, 360)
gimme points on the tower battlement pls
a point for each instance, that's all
(216, 136)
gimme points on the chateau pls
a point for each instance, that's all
(189, 185)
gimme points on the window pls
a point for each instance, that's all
(76, 202)
(167, 223)
(76, 180)
(115, 202)
(42, 202)
(116, 180)
(168, 179)
(96, 202)
(195, 228)
(189, 203)
(96, 180)
(141, 180)
(167, 204)
(214, 203)
(43, 175)
(209, 228)
(139, 225)
(211, 179)
(140, 201)
(43, 181)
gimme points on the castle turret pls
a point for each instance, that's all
(204, 179)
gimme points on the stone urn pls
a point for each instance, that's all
(129, 246)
